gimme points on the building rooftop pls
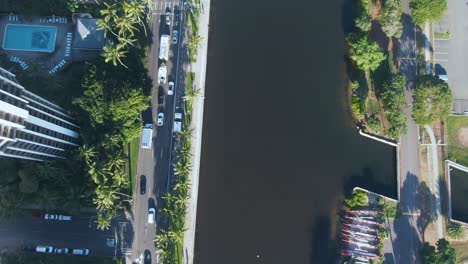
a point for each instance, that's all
(87, 35)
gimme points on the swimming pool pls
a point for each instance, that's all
(29, 38)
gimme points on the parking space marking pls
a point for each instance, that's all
(435, 53)
(441, 60)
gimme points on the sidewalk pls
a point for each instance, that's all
(199, 68)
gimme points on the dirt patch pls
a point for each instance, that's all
(462, 136)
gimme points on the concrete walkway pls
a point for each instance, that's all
(199, 67)
(436, 180)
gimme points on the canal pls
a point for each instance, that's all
(279, 146)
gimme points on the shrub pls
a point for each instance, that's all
(356, 106)
(424, 11)
(357, 199)
(373, 123)
(455, 230)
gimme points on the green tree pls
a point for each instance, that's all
(365, 53)
(10, 204)
(373, 122)
(432, 99)
(191, 93)
(29, 182)
(363, 22)
(446, 253)
(357, 199)
(194, 42)
(428, 254)
(114, 53)
(423, 11)
(390, 19)
(103, 221)
(455, 230)
(393, 98)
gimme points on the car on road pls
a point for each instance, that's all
(170, 88)
(37, 216)
(162, 73)
(160, 121)
(151, 215)
(168, 18)
(175, 37)
(177, 122)
(142, 184)
(80, 251)
(57, 217)
(45, 249)
(160, 95)
(147, 258)
(61, 251)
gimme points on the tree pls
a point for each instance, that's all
(393, 98)
(363, 22)
(103, 221)
(190, 95)
(358, 198)
(373, 122)
(194, 42)
(10, 204)
(455, 230)
(444, 254)
(423, 11)
(114, 53)
(366, 54)
(29, 182)
(432, 99)
(390, 19)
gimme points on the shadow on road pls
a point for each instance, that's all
(405, 232)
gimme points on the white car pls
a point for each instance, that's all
(162, 73)
(168, 18)
(177, 122)
(45, 249)
(81, 251)
(160, 121)
(57, 217)
(170, 89)
(151, 215)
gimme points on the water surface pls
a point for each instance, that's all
(279, 146)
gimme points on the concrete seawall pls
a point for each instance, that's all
(199, 68)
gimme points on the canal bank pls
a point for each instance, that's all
(279, 147)
(196, 126)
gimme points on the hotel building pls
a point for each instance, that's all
(31, 127)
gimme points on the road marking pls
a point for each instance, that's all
(411, 214)
(440, 60)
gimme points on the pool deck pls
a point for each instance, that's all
(64, 25)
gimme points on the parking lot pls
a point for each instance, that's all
(450, 53)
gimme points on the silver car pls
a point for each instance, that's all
(160, 121)
(168, 18)
(170, 88)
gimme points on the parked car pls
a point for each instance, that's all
(142, 184)
(160, 95)
(57, 217)
(162, 73)
(45, 249)
(170, 88)
(168, 18)
(160, 121)
(175, 37)
(147, 257)
(61, 251)
(151, 215)
(80, 251)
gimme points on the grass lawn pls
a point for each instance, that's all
(190, 78)
(179, 252)
(456, 151)
(133, 160)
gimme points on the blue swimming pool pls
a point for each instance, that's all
(29, 38)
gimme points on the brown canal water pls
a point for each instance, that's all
(279, 146)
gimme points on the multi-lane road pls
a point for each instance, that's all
(156, 163)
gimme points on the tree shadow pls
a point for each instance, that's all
(406, 240)
(323, 249)
(428, 210)
(368, 180)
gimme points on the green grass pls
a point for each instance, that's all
(456, 151)
(179, 253)
(133, 160)
(190, 78)
(445, 35)
(193, 22)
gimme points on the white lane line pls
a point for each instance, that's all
(441, 60)
(444, 53)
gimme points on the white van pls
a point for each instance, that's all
(44, 249)
(81, 251)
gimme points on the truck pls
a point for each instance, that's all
(177, 122)
(162, 73)
(147, 136)
(164, 47)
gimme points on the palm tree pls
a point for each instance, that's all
(103, 221)
(135, 10)
(105, 198)
(182, 187)
(185, 134)
(182, 168)
(194, 42)
(190, 95)
(110, 12)
(114, 53)
(106, 27)
(125, 25)
(87, 153)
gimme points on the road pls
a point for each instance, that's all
(156, 163)
(405, 231)
(81, 232)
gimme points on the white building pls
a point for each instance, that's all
(31, 127)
